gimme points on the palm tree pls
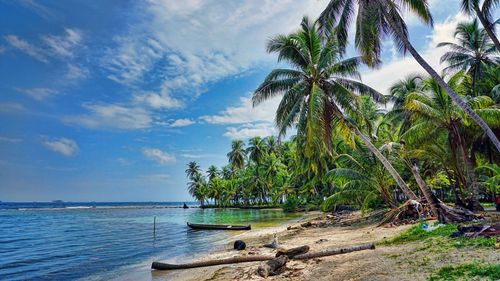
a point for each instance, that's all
(237, 155)
(256, 150)
(472, 53)
(472, 7)
(197, 187)
(377, 19)
(435, 114)
(212, 172)
(192, 169)
(317, 91)
(272, 144)
(398, 93)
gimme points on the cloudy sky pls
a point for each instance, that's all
(108, 100)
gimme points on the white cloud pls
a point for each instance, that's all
(200, 156)
(76, 72)
(157, 100)
(38, 94)
(181, 123)
(63, 45)
(27, 48)
(10, 107)
(112, 116)
(10, 140)
(158, 155)
(244, 112)
(196, 42)
(2, 49)
(250, 130)
(63, 146)
(390, 73)
(52, 46)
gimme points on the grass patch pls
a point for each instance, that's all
(439, 238)
(468, 271)
(487, 204)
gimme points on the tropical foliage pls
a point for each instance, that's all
(358, 147)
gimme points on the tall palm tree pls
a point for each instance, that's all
(272, 144)
(212, 172)
(237, 154)
(472, 53)
(192, 169)
(484, 13)
(377, 19)
(197, 187)
(434, 113)
(398, 93)
(256, 150)
(317, 91)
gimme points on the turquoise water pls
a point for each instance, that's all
(98, 242)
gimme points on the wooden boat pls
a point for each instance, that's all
(218, 226)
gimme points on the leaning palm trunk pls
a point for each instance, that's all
(449, 91)
(487, 26)
(407, 191)
(444, 213)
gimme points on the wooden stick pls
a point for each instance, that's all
(335, 251)
(329, 252)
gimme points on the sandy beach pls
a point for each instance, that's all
(409, 261)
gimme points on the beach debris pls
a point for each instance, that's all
(429, 228)
(474, 231)
(321, 241)
(242, 259)
(335, 251)
(239, 245)
(273, 267)
(307, 224)
(291, 253)
(274, 242)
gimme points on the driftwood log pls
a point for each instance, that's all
(329, 252)
(290, 253)
(273, 267)
(335, 251)
(167, 266)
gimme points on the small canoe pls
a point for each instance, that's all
(218, 226)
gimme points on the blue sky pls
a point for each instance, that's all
(109, 100)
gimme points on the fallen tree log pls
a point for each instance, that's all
(273, 267)
(167, 266)
(290, 253)
(330, 252)
(335, 251)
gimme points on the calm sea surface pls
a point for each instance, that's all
(101, 241)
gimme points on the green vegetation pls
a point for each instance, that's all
(434, 141)
(468, 271)
(439, 238)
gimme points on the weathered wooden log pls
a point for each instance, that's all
(167, 266)
(329, 252)
(335, 251)
(290, 253)
(273, 267)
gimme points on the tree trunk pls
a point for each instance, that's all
(487, 27)
(429, 196)
(449, 91)
(329, 252)
(474, 204)
(407, 191)
(335, 251)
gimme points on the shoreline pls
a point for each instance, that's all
(416, 260)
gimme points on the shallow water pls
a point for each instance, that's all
(98, 241)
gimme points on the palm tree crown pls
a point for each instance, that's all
(237, 154)
(319, 86)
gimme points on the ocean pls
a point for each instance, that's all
(103, 241)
